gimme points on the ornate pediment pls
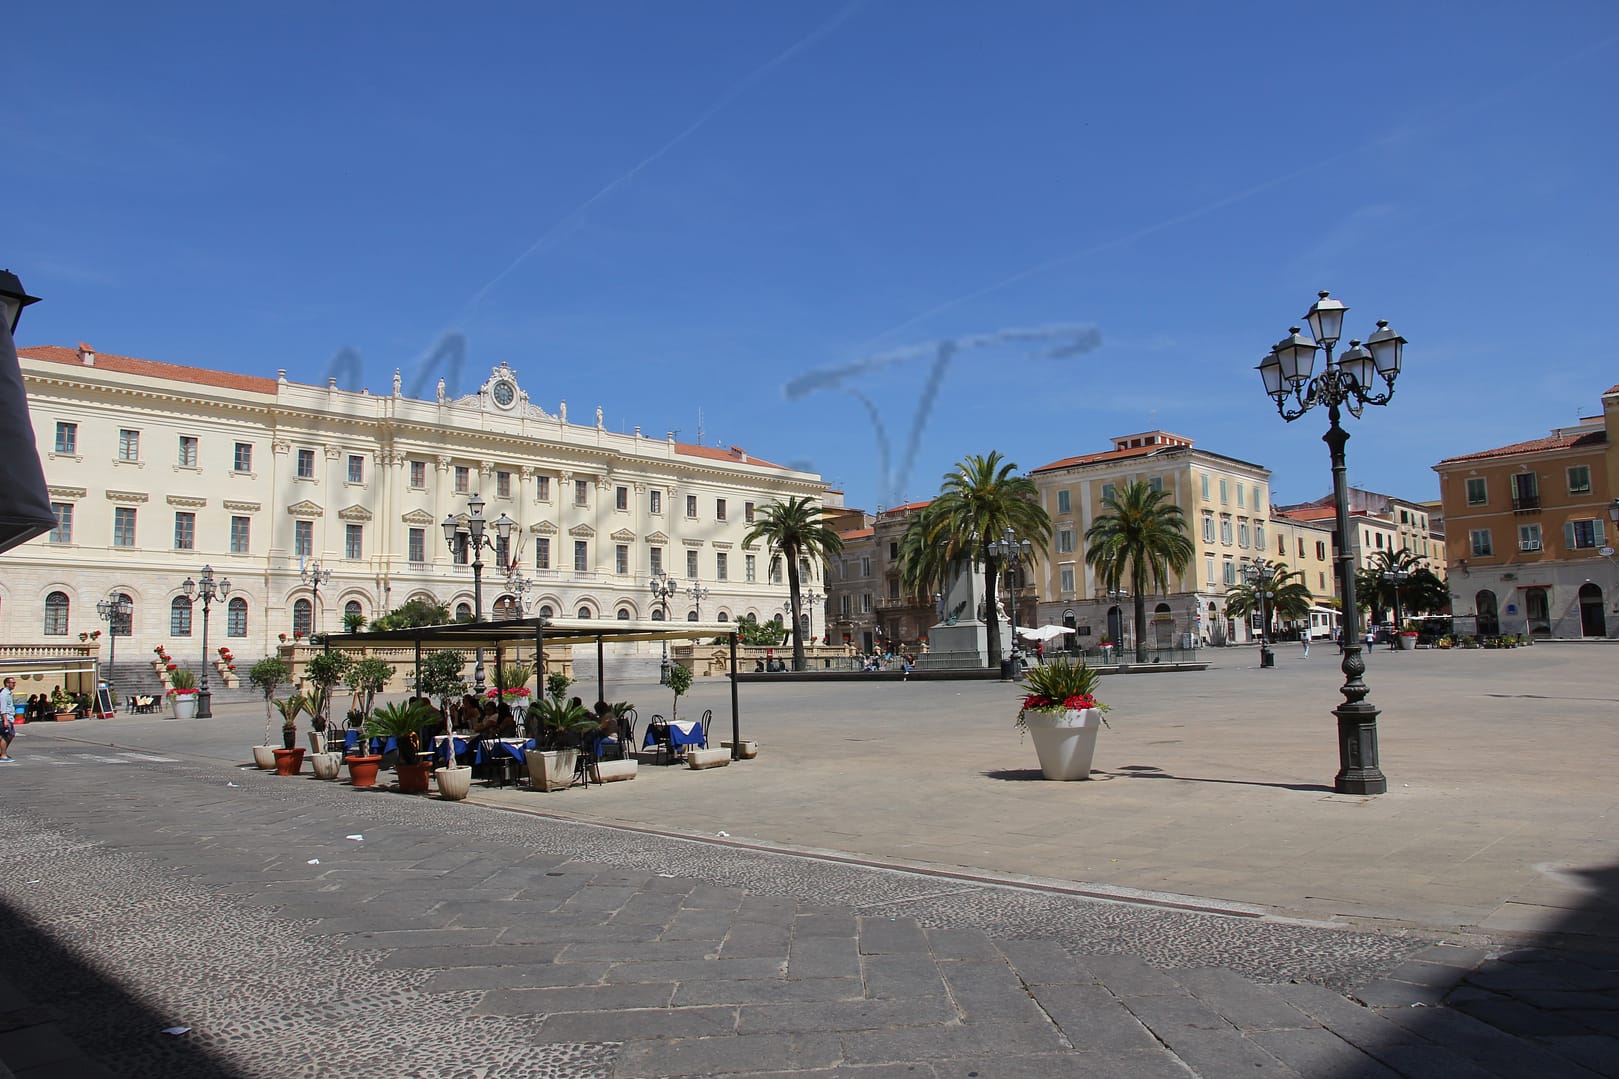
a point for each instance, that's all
(623, 535)
(65, 494)
(543, 528)
(354, 513)
(127, 496)
(305, 508)
(582, 532)
(658, 537)
(692, 542)
(242, 507)
(189, 502)
(417, 517)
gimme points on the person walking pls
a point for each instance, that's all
(1306, 644)
(8, 719)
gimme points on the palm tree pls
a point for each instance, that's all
(797, 529)
(1289, 599)
(979, 501)
(1421, 590)
(1142, 536)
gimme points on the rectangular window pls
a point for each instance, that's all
(241, 535)
(1583, 535)
(1320, 551)
(719, 509)
(581, 492)
(1065, 502)
(303, 539)
(1065, 576)
(1525, 491)
(306, 464)
(691, 564)
(1208, 571)
(185, 531)
(542, 488)
(463, 480)
(655, 560)
(865, 565)
(621, 498)
(542, 552)
(750, 567)
(1259, 538)
(865, 603)
(418, 474)
(123, 526)
(1225, 531)
(654, 501)
(242, 457)
(67, 437)
(63, 532)
(1224, 495)
(1107, 492)
(416, 545)
(1476, 493)
(621, 559)
(356, 468)
(1065, 541)
(1230, 573)
(1528, 537)
(1155, 483)
(1242, 533)
(187, 456)
(1480, 539)
(893, 588)
(719, 567)
(581, 556)
(747, 512)
(353, 541)
(1242, 499)
(1205, 478)
(1208, 528)
(775, 569)
(503, 553)
(1579, 480)
(503, 484)
(843, 605)
(691, 506)
(460, 552)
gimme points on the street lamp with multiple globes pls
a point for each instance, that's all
(1259, 574)
(205, 589)
(663, 587)
(1396, 577)
(314, 576)
(1012, 552)
(1347, 382)
(473, 536)
(698, 592)
(115, 610)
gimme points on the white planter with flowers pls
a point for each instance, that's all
(1062, 716)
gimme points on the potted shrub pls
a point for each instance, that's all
(266, 676)
(514, 691)
(562, 724)
(402, 721)
(353, 622)
(62, 704)
(325, 670)
(366, 678)
(1061, 713)
(440, 678)
(182, 692)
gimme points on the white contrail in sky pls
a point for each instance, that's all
(837, 19)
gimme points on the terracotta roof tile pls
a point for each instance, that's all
(1309, 513)
(129, 365)
(857, 533)
(1610, 389)
(907, 508)
(1105, 455)
(1535, 445)
(736, 455)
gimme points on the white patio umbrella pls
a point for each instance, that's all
(1044, 633)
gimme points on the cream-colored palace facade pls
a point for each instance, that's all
(157, 469)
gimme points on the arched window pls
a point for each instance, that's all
(584, 612)
(1489, 620)
(657, 614)
(547, 611)
(624, 614)
(180, 617)
(303, 617)
(122, 625)
(236, 617)
(351, 610)
(463, 612)
(1593, 622)
(691, 616)
(724, 617)
(506, 607)
(56, 609)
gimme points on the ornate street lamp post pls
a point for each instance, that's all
(1396, 577)
(1259, 574)
(1347, 382)
(116, 610)
(1012, 552)
(698, 592)
(473, 538)
(314, 576)
(664, 586)
(205, 589)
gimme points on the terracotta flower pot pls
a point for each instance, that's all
(289, 762)
(363, 770)
(413, 777)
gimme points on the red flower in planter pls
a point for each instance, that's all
(174, 666)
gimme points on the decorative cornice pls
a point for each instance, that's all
(623, 535)
(692, 542)
(67, 494)
(658, 537)
(127, 496)
(724, 545)
(242, 507)
(354, 513)
(582, 532)
(543, 528)
(305, 508)
(188, 501)
(417, 517)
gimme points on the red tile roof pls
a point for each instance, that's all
(129, 365)
(1535, 445)
(1610, 389)
(907, 508)
(736, 455)
(1105, 455)
(857, 533)
(1310, 513)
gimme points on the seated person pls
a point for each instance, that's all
(758, 666)
(505, 721)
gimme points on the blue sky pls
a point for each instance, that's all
(773, 213)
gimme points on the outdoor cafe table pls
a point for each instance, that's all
(511, 747)
(682, 732)
(378, 746)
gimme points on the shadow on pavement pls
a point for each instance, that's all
(1147, 771)
(63, 1012)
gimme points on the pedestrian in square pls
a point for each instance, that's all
(1306, 644)
(8, 719)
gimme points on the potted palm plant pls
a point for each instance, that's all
(562, 724)
(1061, 713)
(403, 721)
(289, 759)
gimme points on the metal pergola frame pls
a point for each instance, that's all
(542, 631)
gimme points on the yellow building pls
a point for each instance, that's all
(1529, 529)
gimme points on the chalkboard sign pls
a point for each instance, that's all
(104, 703)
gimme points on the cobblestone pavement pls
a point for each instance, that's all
(300, 928)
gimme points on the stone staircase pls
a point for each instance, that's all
(138, 679)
